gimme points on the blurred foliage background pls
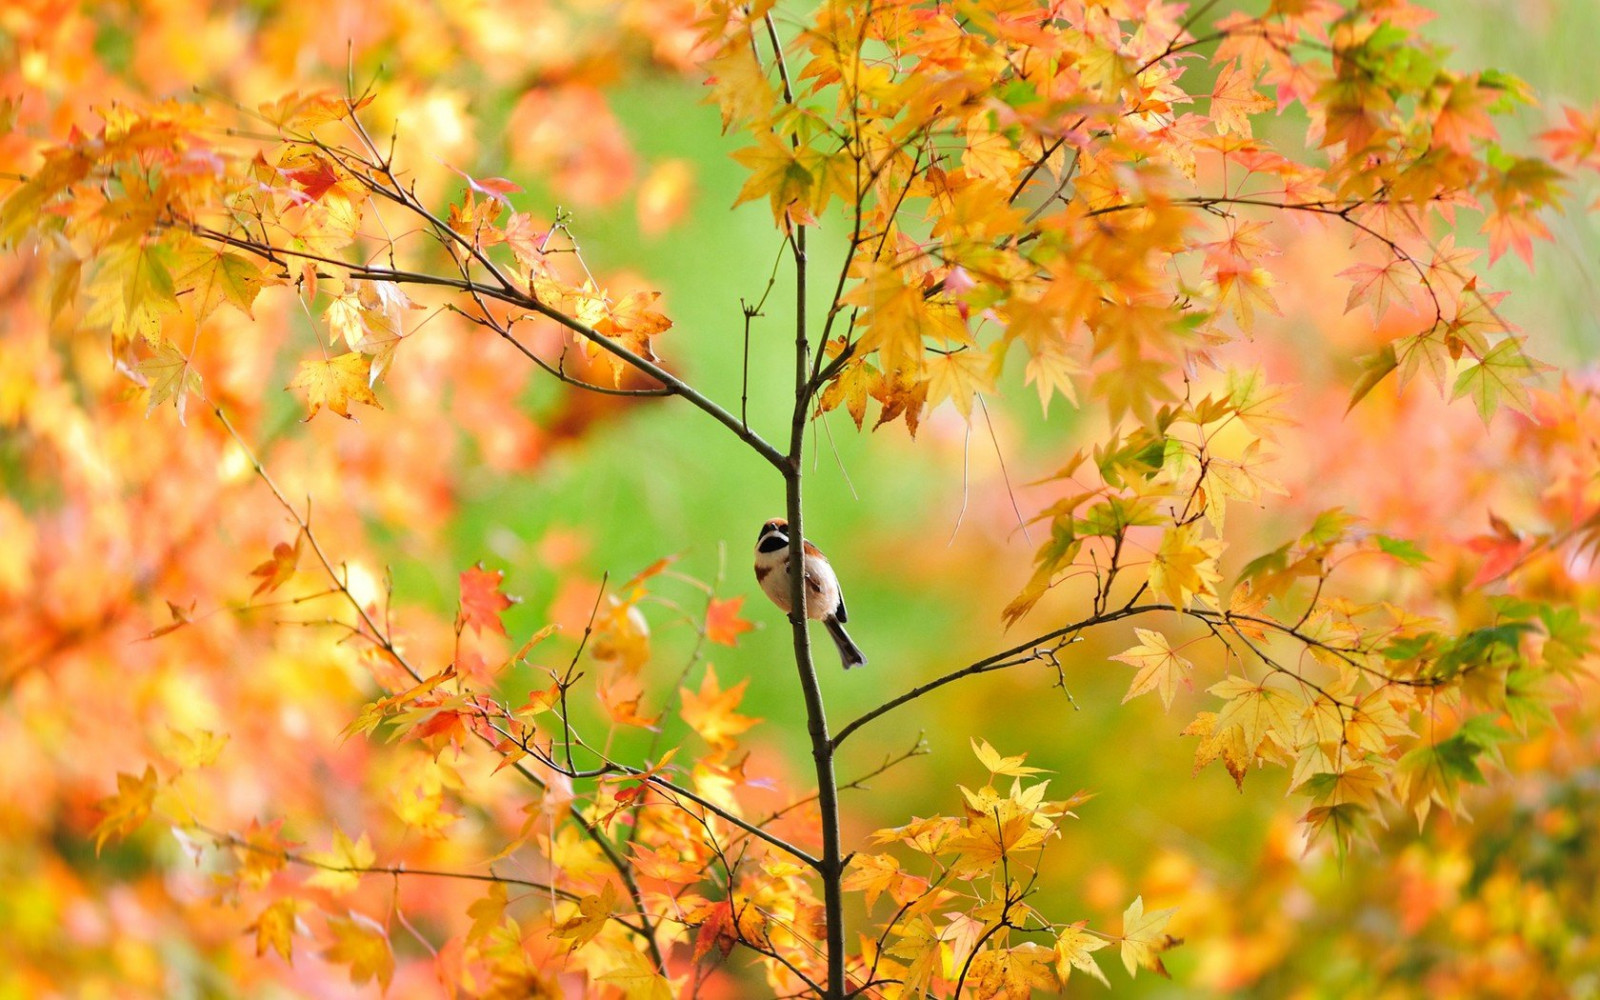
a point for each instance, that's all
(926, 538)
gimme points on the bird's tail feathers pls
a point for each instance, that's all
(849, 653)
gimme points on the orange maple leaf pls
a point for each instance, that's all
(277, 569)
(1234, 99)
(723, 624)
(710, 712)
(482, 601)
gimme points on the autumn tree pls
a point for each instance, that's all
(1244, 248)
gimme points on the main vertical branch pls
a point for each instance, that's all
(831, 867)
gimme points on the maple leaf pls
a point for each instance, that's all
(723, 624)
(592, 913)
(738, 82)
(540, 700)
(1514, 226)
(344, 318)
(259, 854)
(297, 112)
(277, 570)
(1260, 710)
(1158, 666)
(275, 927)
(139, 275)
(637, 978)
(489, 912)
(336, 383)
(666, 864)
(1578, 142)
(170, 377)
(481, 600)
(901, 396)
(1432, 774)
(126, 811)
(1144, 938)
(339, 870)
(1225, 744)
(710, 712)
(996, 764)
(1011, 973)
(1185, 566)
(777, 171)
(1499, 376)
(361, 943)
(192, 748)
(210, 276)
(1374, 369)
(960, 376)
(1243, 288)
(1075, 949)
(623, 695)
(1234, 99)
(851, 387)
(1051, 370)
(1502, 550)
(1379, 285)
(875, 874)
(717, 930)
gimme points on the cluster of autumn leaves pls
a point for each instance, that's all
(1008, 179)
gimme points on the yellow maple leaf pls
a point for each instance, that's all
(1144, 938)
(336, 383)
(1261, 710)
(1227, 744)
(275, 926)
(851, 388)
(1157, 664)
(340, 869)
(488, 913)
(996, 764)
(959, 375)
(591, 916)
(637, 978)
(1185, 566)
(192, 748)
(1075, 949)
(895, 315)
(361, 943)
(1011, 973)
(127, 810)
(210, 276)
(1050, 370)
(780, 172)
(170, 377)
(875, 874)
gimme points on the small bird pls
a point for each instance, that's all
(824, 602)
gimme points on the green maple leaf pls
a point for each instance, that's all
(1501, 375)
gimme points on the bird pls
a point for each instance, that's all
(823, 600)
